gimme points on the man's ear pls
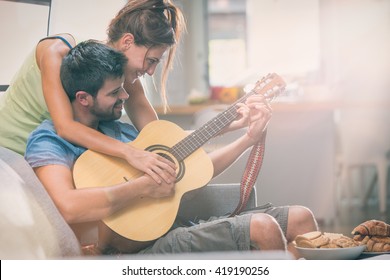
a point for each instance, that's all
(83, 97)
(126, 41)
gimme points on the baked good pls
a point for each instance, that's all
(374, 234)
(344, 242)
(372, 228)
(307, 240)
(316, 239)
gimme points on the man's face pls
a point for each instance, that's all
(108, 103)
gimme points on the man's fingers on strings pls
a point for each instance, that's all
(166, 165)
(154, 176)
(243, 111)
(167, 161)
(163, 174)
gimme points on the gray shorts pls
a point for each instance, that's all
(215, 234)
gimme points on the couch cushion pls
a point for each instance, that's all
(32, 227)
(213, 200)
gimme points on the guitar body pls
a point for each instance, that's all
(146, 218)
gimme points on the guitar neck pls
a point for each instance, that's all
(213, 127)
(269, 87)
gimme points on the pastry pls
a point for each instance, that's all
(371, 228)
(374, 234)
(316, 239)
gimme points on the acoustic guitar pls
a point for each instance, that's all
(147, 218)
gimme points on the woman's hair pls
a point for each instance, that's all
(152, 23)
(88, 65)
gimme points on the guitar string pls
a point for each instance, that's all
(196, 139)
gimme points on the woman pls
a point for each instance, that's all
(143, 30)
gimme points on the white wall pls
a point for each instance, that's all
(86, 19)
(355, 38)
(284, 36)
(22, 25)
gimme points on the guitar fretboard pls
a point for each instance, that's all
(268, 87)
(210, 129)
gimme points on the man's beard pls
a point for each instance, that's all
(106, 114)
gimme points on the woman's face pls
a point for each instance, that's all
(143, 60)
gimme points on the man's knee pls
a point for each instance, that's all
(264, 221)
(302, 215)
(300, 220)
(266, 232)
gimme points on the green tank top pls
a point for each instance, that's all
(22, 106)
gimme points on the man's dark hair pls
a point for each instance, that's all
(88, 65)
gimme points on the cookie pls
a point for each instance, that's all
(307, 236)
(320, 241)
(304, 243)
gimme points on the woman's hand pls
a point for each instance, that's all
(156, 166)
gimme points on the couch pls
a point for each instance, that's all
(33, 228)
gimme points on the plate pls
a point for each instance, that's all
(350, 253)
(372, 254)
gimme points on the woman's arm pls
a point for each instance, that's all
(137, 106)
(49, 57)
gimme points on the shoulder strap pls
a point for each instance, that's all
(251, 172)
(58, 37)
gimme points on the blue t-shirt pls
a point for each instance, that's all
(45, 147)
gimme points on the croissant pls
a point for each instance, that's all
(373, 246)
(362, 239)
(381, 239)
(372, 227)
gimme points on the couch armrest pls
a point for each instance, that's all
(31, 225)
(213, 200)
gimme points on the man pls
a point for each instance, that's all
(92, 76)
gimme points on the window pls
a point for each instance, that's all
(227, 40)
(249, 38)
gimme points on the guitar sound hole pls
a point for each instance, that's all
(164, 151)
(167, 157)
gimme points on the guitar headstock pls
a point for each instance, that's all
(269, 86)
